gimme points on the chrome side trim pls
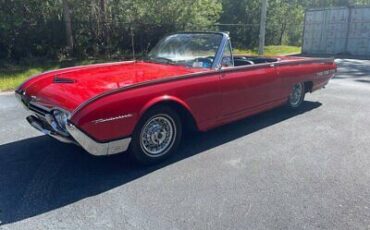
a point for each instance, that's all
(102, 120)
(96, 148)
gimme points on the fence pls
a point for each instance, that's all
(342, 30)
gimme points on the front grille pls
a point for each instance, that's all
(27, 102)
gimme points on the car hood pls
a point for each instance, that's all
(68, 88)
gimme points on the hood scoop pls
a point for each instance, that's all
(63, 80)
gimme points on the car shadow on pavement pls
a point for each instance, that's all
(38, 175)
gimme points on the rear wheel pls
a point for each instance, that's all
(157, 135)
(296, 96)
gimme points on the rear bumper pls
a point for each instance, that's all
(319, 85)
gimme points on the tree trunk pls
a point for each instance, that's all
(282, 32)
(105, 26)
(68, 24)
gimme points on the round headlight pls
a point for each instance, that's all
(61, 118)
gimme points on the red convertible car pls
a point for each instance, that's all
(187, 80)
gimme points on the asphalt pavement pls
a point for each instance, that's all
(308, 169)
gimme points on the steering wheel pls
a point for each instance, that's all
(206, 62)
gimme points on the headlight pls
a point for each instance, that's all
(61, 119)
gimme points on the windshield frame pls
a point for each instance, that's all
(220, 50)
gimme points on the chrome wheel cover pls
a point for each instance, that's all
(158, 135)
(295, 97)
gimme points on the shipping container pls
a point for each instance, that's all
(337, 30)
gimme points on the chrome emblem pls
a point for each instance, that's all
(103, 120)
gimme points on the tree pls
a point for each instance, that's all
(34, 28)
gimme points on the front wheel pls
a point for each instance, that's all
(157, 135)
(296, 96)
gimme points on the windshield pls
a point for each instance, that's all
(192, 50)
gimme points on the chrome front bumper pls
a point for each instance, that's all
(76, 136)
(36, 122)
(41, 119)
(96, 148)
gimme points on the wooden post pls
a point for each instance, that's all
(68, 24)
(262, 28)
(133, 43)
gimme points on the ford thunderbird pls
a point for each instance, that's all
(187, 80)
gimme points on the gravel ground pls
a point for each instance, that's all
(308, 169)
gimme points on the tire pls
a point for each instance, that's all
(296, 96)
(157, 136)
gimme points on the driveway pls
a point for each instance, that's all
(308, 169)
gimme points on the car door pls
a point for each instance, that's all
(246, 90)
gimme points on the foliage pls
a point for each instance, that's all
(36, 28)
(109, 28)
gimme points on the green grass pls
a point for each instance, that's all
(270, 51)
(11, 76)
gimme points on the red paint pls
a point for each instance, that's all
(212, 97)
(90, 81)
